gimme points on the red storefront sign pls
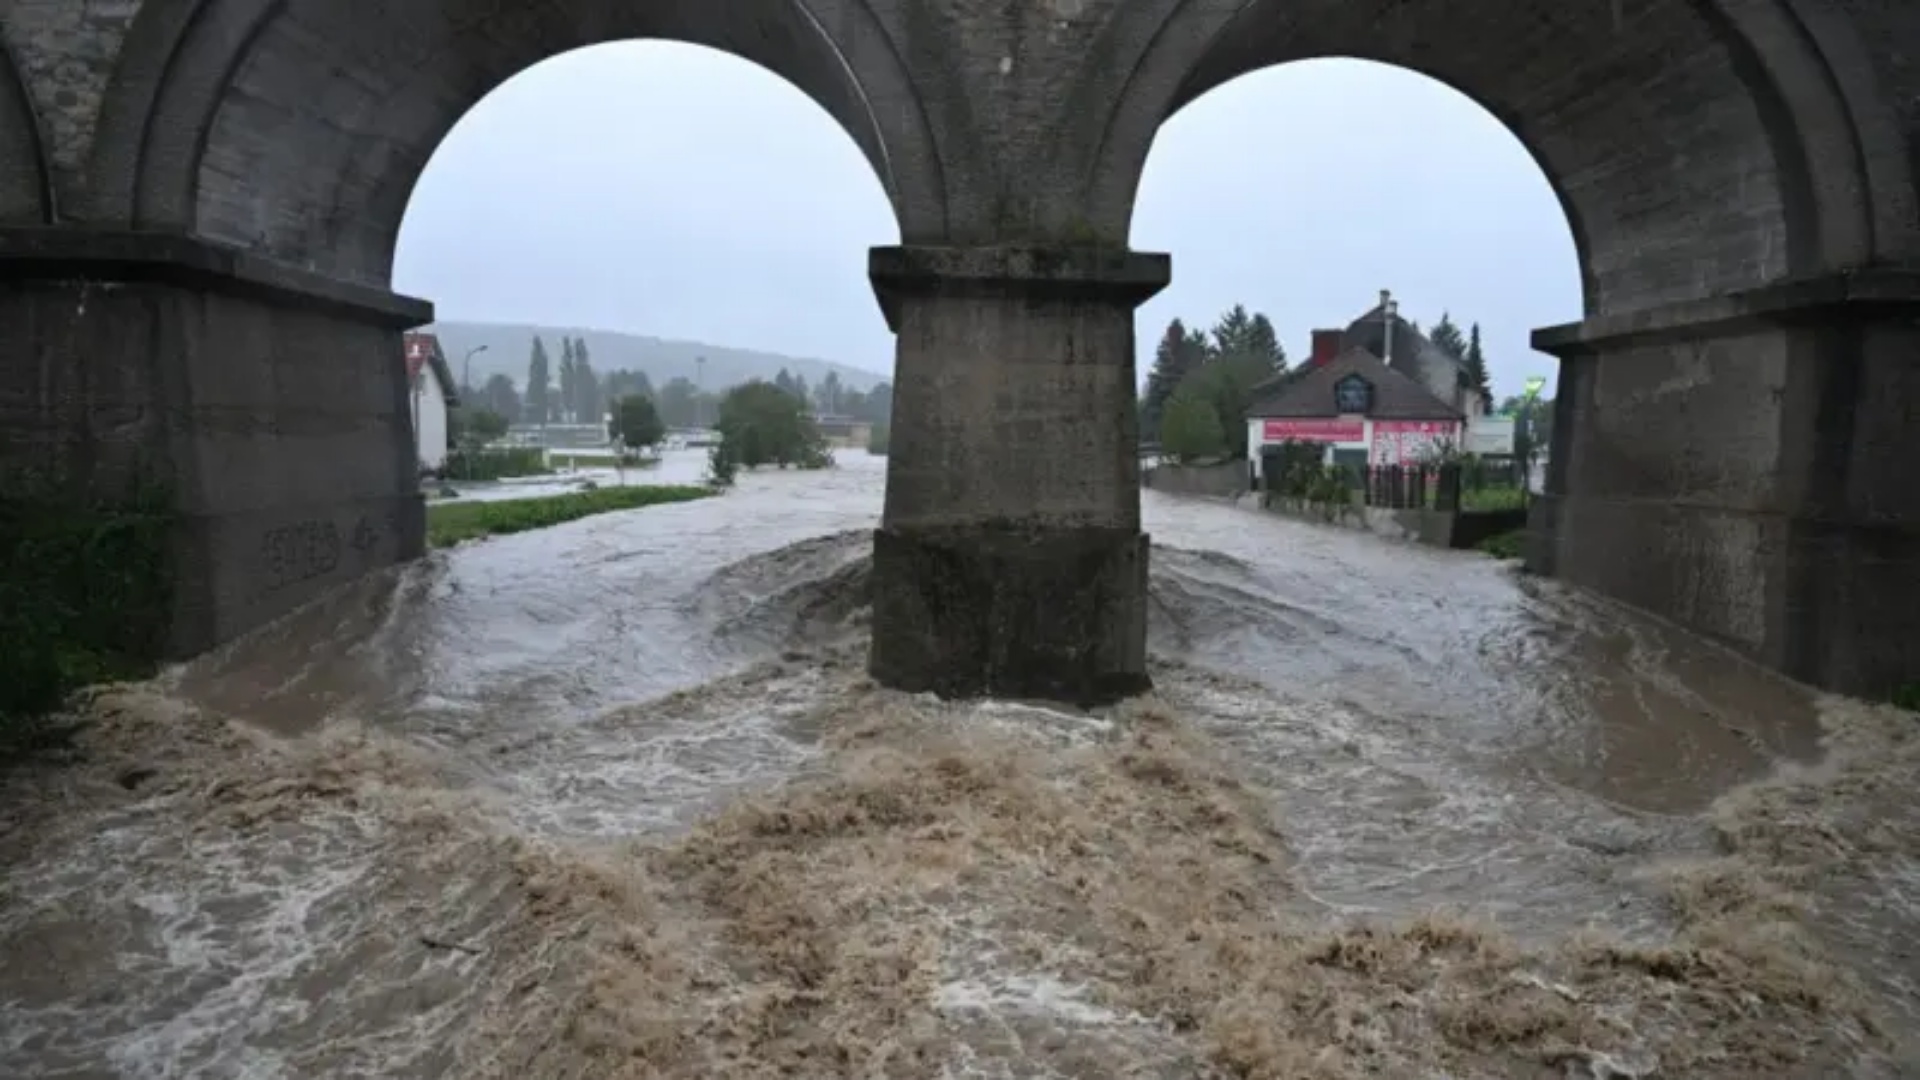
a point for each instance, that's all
(1407, 442)
(1327, 431)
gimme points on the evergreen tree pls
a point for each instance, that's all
(499, 396)
(1448, 338)
(802, 391)
(1263, 343)
(784, 381)
(1477, 375)
(569, 388)
(1233, 334)
(1173, 360)
(589, 400)
(539, 400)
(827, 395)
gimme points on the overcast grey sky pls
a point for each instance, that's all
(670, 190)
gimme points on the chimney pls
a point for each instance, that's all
(1389, 310)
(1326, 346)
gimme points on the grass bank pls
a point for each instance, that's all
(449, 523)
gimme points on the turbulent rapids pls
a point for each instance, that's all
(1359, 855)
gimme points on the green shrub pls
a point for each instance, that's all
(496, 463)
(1506, 545)
(85, 597)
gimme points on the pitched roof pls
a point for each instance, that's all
(1395, 395)
(1409, 344)
(425, 349)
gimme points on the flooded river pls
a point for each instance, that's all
(614, 800)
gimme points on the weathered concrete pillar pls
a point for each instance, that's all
(1747, 467)
(257, 413)
(1010, 561)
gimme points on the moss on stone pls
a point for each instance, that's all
(85, 596)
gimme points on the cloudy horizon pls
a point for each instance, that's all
(730, 209)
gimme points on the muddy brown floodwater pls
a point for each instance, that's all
(614, 800)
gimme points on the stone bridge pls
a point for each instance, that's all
(199, 201)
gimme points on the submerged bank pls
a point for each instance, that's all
(450, 523)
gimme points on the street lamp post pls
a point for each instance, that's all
(466, 368)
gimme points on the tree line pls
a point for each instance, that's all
(576, 394)
(1203, 383)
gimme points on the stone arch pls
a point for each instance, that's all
(1694, 151)
(297, 128)
(26, 184)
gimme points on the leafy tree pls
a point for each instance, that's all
(879, 405)
(760, 424)
(500, 396)
(853, 403)
(1191, 428)
(679, 402)
(620, 383)
(1177, 356)
(1476, 365)
(1448, 338)
(569, 384)
(539, 402)
(1228, 385)
(635, 423)
(473, 427)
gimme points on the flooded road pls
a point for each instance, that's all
(612, 799)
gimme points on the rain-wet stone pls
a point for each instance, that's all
(1011, 612)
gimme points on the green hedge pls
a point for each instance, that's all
(450, 523)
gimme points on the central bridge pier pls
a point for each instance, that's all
(1009, 561)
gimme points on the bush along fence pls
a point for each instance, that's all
(1459, 503)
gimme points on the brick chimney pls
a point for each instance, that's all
(1326, 346)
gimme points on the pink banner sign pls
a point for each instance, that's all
(1408, 442)
(1326, 431)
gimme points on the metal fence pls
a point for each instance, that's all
(1493, 483)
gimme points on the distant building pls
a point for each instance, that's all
(430, 383)
(844, 431)
(1376, 393)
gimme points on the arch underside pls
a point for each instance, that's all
(298, 128)
(1680, 157)
(26, 190)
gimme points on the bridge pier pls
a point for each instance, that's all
(256, 416)
(1746, 467)
(1010, 561)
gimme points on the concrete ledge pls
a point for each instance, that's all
(1066, 272)
(70, 254)
(1851, 294)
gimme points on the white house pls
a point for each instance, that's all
(431, 381)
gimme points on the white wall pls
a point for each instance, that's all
(430, 420)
